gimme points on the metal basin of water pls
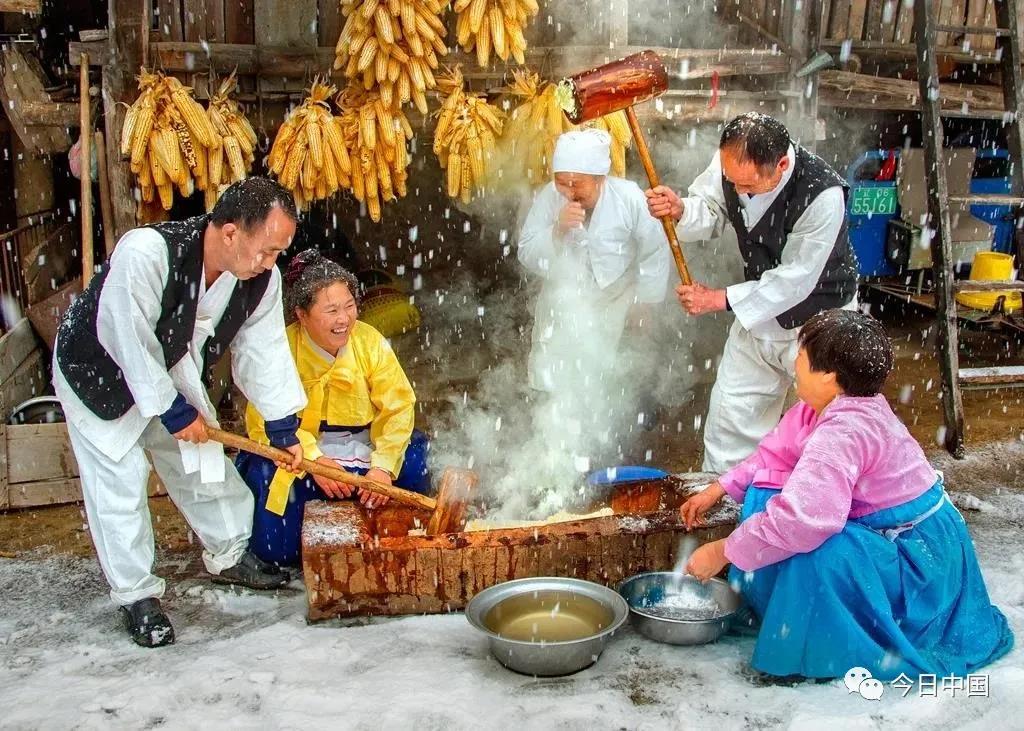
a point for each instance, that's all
(655, 615)
(547, 626)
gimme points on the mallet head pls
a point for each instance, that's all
(612, 87)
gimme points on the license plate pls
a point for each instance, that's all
(873, 201)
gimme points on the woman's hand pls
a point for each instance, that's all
(372, 499)
(295, 465)
(692, 511)
(332, 488)
(707, 561)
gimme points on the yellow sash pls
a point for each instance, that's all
(316, 393)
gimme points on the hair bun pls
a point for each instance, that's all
(298, 265)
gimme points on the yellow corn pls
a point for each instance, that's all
(127, 127)
(217, 120)
(234, 155)
(497, 19)
(454, 175)
(483, 43)
(367, 125)
(166, 192)
(141, 129)
(330, 170)
(373, 208)
(385, 122)
(336, 141)
(316, 150)
(477, 10)
(382, 21)
(194, 116)
(293, 165)
(285, 135)
(367, 55)
(215, 166)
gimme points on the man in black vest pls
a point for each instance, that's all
(131, 366)
(788, 208)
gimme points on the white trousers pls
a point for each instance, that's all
(748, 397)
(116, 503)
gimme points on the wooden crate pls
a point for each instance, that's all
(356, 562)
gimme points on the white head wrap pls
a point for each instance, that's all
(585, 151)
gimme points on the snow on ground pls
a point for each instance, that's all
(247, 660)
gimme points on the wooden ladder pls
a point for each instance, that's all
(954, 377)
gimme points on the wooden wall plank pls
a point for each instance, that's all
(194, 19)
(873, 21)
(16, 345)
(904, 32)
(39, 452)
(840, 20)
(122, 57)
(28, 381)
(50, 492)
(21, 6)
(330, 22)
(169, 20)
(858, 12)
(215, 30)
(239, 22)
(286, 23)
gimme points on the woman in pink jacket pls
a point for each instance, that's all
(848, 550)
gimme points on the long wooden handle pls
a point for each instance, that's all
(106, 212)
(652, 175)
(335, 473)
(85, 148)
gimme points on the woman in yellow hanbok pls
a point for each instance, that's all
(360, 412)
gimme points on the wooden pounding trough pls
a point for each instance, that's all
(359, 562)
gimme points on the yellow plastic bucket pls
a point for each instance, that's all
(991, 266)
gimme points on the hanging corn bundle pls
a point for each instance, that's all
(168, 136)
(465, 137)
(232, 160)
(494, 25)
(529, 137)
(375, 136)
(308, 156)
(392, 46)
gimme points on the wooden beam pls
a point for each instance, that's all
(906, 50)
(21, 6)
(296, 63)
(23, 81)
(50, 114)
(845, 89)
(121, 59)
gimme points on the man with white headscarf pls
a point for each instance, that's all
(600, 254)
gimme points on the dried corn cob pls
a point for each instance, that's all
(464, 138)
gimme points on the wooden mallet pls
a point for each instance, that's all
(618, 86)
(448, 509)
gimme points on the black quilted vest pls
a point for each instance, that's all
(761, 246)
(97, 378)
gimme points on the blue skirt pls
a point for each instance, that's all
(278, 538)
(914, 603)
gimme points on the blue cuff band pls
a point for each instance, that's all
(180, 415)
(281, 432)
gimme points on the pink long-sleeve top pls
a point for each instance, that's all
(853, 459)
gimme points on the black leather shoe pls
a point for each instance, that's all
(147, 623)
(254, 573)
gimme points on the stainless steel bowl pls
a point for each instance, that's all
(644, 592)
(547, 625)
